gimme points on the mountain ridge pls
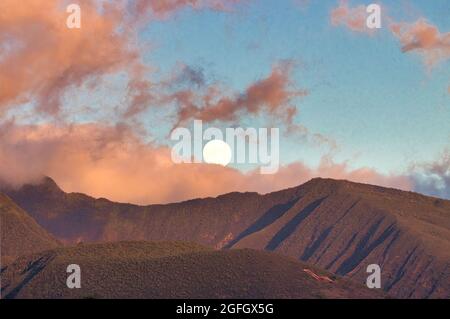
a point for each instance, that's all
(340, 226)
(51, 185)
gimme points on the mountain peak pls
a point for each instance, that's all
(49, 184)
(45, 184)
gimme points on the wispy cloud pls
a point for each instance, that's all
(420, 36)
(273, 95)
(165, 8)
(353, 18)
(425, 39)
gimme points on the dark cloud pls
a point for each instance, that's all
(191, 75)
(433, 178)
(273, 95)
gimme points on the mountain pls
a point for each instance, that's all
(171, 270)
(336, 225)
(20, 234)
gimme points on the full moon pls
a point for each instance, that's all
(217, 152)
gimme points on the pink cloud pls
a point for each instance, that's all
(164, 8)
(272, 95)
(40, 58)
(115, 163)
(423, 38)
(47, 58)
(352, 18)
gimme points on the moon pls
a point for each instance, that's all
(217, 152)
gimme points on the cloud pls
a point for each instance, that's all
(140, 91)
(272, 95)
(104, 161)
(433, 178)
(165, 8)
(191, 75)
(423, 38)
(45, 58)
(351, 18)
(420, 36)
(115, 163)
(40, 58)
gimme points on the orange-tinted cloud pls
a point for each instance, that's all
(40, 57)
(352, 18)
(423, 38)
(112, 162)
(272, 95)
(163, 8)
(44, 57)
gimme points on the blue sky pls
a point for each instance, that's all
(102, 99)
(383, 107)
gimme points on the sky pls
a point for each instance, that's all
(94, 107)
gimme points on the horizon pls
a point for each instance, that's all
(45, 179)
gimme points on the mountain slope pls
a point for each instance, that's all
(20, 234)
(171, 270)
(344, 227)
(337, 225)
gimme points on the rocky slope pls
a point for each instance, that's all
(20, 234)
(337, 225)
